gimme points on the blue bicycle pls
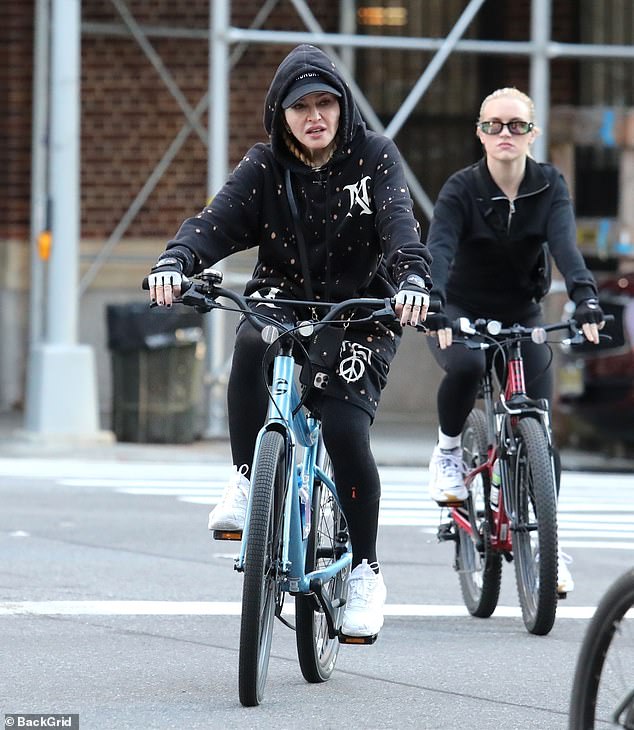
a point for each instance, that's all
(295, 539)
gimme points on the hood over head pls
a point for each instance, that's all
(305, 70)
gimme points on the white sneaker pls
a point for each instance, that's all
(230, 512)
(565, 583)
(363, 613)
(446, 476)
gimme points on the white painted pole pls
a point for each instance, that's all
(218, 163)
(61, 386)
(541, 22)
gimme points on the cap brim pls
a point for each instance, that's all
(294, 95)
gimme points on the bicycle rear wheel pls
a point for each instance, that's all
(316, 650)
(603, 688)
(479, 569)
(535, 531)
(260, 592)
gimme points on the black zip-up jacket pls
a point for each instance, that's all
(485, 247)
(357, 216)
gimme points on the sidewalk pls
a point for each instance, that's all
(395, 442)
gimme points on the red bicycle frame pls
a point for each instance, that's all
(500, 538)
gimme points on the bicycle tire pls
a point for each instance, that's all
(535, 508)
(260, 590)
(604, 674)
(316, 650)
(479, 571)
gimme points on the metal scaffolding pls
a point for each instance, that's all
(226, 46)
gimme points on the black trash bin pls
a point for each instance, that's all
(157, 373)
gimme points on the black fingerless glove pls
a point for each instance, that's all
(437, 321)
(588, 311)
(167, 263)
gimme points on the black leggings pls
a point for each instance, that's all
(346, 432)
(464, 369)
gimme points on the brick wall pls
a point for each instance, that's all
(128, 120)
(15, 129)
(128, 117)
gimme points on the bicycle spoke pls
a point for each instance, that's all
(535, 528)
(479, 567)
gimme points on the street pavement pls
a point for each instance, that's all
(116, 605)
(395, 442)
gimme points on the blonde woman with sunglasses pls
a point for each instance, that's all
(486, 237)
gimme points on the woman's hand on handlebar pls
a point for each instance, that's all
(589, 316)
(164, 281)
(438, 325)
(412, 301)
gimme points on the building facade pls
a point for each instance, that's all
(143, 170)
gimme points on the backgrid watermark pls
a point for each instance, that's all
(44, 720)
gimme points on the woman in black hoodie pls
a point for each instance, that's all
(357, 237)
(486, 238)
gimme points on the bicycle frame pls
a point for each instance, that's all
(513, 436)
(501, 416)
(296, 426)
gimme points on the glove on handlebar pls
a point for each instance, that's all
(168, 270)
(437, 321)
(413, 291)
(588, 311)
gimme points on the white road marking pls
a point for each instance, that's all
(233, 608)
(594, 511)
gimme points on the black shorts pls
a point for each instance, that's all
(361, 367)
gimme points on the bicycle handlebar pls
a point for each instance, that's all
(492, 330)
(203, 292)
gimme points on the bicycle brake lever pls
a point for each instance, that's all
(193, 298)
(386, 314)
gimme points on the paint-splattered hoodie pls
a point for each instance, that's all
(357, 221)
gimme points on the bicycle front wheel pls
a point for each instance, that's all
(603, 688)
(316, 650)
(535, 528)
(261, 592)
(479, 567)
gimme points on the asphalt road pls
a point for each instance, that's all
(116, 605)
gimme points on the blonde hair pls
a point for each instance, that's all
(291, 143)
(509, 91)
(513, 93)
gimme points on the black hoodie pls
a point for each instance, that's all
(357, 220)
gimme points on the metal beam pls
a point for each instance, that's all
(541, 21)
(433, 67)
(161, 69)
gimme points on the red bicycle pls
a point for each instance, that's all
(511, 511)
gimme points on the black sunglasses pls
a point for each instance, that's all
(517, 126)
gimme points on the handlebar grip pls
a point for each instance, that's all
(435, 306)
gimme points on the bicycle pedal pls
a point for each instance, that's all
(446, 532)
(227, 534)
(562, 596)
(345, 639)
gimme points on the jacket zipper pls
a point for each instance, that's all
(512, 204)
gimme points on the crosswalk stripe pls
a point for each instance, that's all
(591, 511)
(233, 608)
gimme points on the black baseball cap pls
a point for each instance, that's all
(307, 83)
